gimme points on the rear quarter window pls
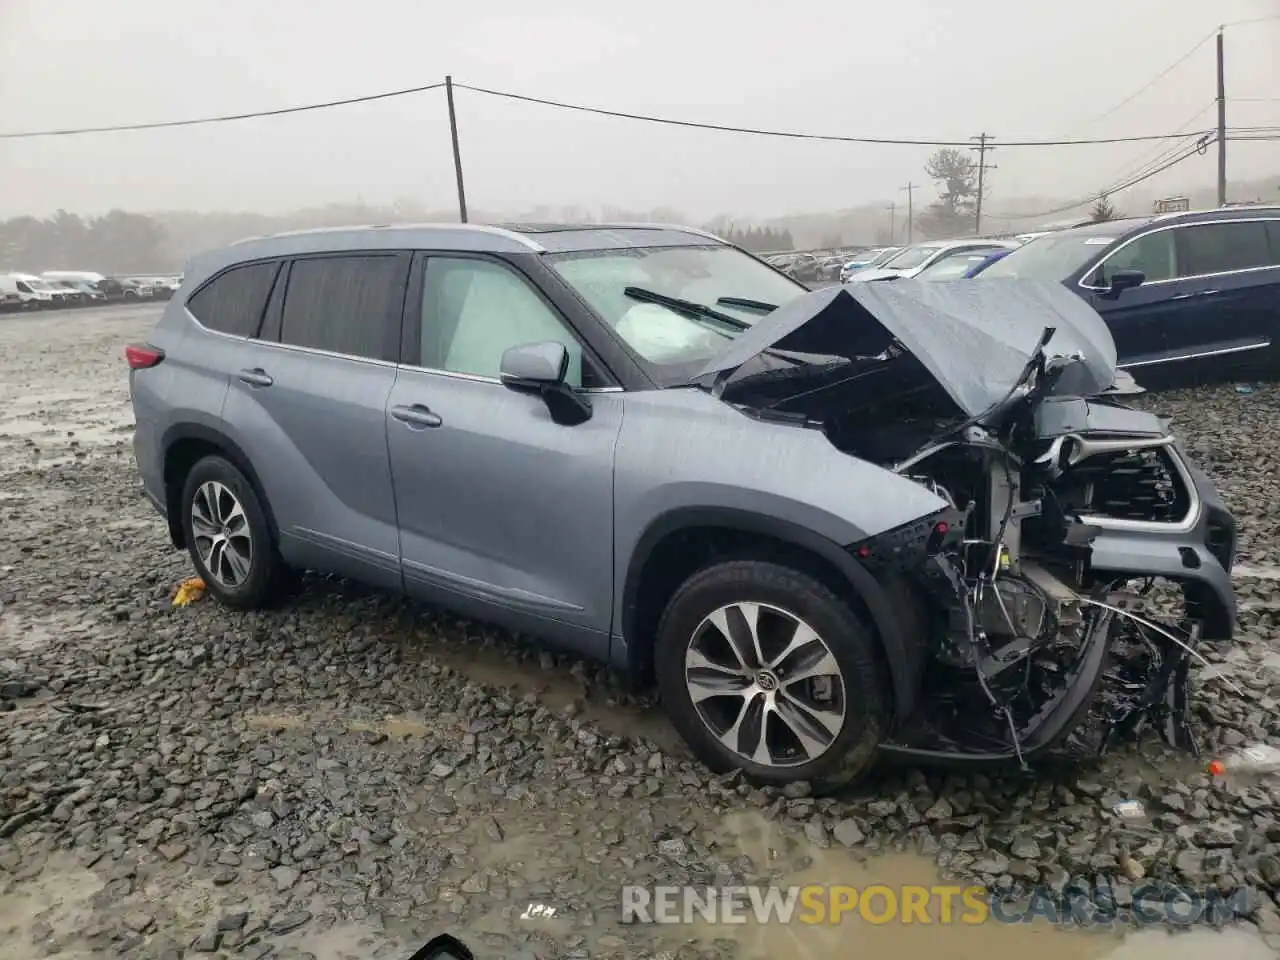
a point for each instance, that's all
(234, 300)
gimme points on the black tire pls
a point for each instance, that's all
(267, 572)
(851, 643)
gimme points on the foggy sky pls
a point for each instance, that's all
(909, 68)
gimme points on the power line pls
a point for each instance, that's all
(325, 105)
(1132, 182)
(600, 111)
(1150, 83)
(1164, 151)
(795, 135)
(1241, 23)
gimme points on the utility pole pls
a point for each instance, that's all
(1222, 125)
(983, 167)
(893, 207)
(910, 188)
(457, 154)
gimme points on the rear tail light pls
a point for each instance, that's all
(140, 356)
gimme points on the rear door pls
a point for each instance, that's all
(307, 402)
(1230, 273)
(504, 514)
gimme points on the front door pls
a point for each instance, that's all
(1140, 318)
(504, 514)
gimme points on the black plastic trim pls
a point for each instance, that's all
(231, 450)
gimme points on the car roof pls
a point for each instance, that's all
(462, 237)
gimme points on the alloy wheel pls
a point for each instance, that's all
(221, 533)
(765, 684)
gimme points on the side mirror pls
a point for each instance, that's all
(534, 365)
(542, 368)
(1123, 280)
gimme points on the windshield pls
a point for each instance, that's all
(721, 278)
(910, 258)
(1055, 256)
(35, 284)
(954, 267)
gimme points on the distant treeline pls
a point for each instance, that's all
(116, 242)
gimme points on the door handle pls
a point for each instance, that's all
(416, 415)
(257, 377)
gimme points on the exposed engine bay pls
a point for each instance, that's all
(1022, 600)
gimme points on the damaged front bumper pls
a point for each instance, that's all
(1197, 553)
(1127, 668)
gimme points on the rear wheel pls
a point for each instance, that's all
(762, 667)
(228, 536)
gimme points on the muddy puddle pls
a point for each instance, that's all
(886, 934)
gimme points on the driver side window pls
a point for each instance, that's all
(474, 310)
(1153, 254)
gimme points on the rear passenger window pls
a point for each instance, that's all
(344, 305)
(1222, 247)
(233, 302)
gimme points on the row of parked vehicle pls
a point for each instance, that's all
(1185, 294)
(55, 289)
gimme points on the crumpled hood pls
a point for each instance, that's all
(974, 336)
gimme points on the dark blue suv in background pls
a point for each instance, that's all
(1186, 295)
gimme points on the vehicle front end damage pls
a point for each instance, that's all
(1026, 602)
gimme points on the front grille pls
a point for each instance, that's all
(1134, 485)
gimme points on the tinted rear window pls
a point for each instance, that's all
(343, 305)
(1222, 247)
(233, 302)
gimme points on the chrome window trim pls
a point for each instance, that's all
(1196, 355)
(295, 348)
(477, 378)
(1178, 226)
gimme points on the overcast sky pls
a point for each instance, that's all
(939, 69)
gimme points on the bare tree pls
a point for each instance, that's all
(1103, 210)
(956, 175)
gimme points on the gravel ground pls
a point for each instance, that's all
(351, 774)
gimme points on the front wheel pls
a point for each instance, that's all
(763, 668)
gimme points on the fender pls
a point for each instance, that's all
(231, 450)
(869, 590)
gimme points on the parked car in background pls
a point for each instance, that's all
(958, 266)
(829, 267)
(33, 292)
(75, 276)
(123, 288)
(9, 299)
(865, 260)
(915, 259)
(80, 291)
(984, 262)
(1193, 294)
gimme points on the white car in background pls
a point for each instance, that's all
(866, 260)
(917, 258)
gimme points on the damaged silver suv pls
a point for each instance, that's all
(877, 518)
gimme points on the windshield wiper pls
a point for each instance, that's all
(688, 307)
(747, 304)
